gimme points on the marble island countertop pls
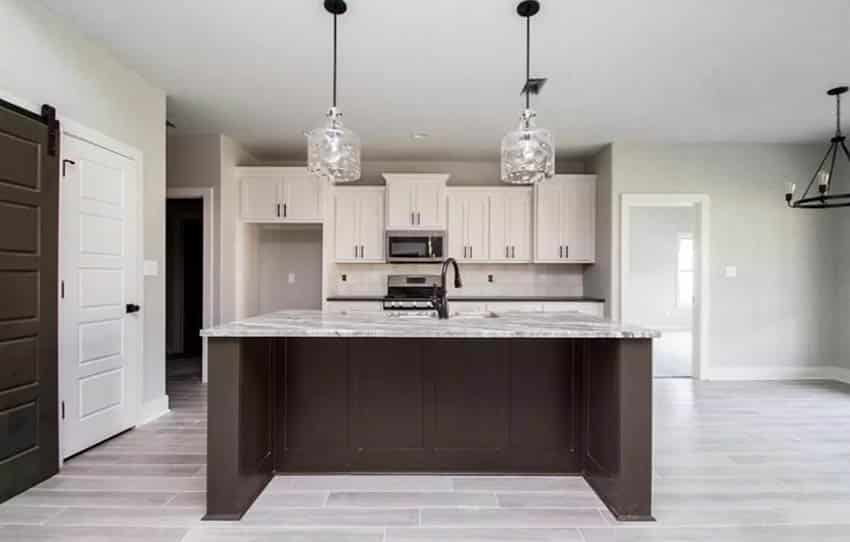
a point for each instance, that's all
(565, 325)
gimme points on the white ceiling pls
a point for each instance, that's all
(619, 70)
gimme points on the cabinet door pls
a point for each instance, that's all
(500, 234)
(518, 211)
(429, 205)
(579, 219)
(260, 198)
(346, 238)
(548, 199)
(478, 227)
(302, 199)
(456, 230)
(400, 213)
(371, 226)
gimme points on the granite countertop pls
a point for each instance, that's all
(485, 298)
(504, 325)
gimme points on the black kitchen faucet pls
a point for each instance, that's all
(439, 297)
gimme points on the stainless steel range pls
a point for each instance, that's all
(411, 294)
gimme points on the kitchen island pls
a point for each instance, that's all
(514, 393)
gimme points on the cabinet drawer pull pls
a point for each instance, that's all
(412, 219)
(362, 255)
(561, 251)
(566, 251)
(513, 252)
(277, 210)
(284, 210)
(418, 219)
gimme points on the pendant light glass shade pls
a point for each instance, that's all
(333, 150)
(528, 153)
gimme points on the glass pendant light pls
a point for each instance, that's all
(825, 197)
(333, 150)
(528, 153)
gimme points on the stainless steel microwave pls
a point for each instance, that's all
(416, 246)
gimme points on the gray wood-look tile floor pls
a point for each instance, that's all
(756, 461)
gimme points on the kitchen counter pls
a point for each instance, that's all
(518, 325)
(519, 393)
(485, 299)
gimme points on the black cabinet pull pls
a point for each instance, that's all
(284, 210)
(277, 210)
(566, 251)
(132, 307)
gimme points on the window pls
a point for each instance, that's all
(685, 278)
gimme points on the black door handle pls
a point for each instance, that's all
(131, 308)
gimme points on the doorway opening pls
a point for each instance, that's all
(184, 291)
(664, 255)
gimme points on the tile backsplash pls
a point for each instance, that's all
(513, 279)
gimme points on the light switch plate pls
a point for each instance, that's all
(291, 278)
(731, 272)
(151, 268)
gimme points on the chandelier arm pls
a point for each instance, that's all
(831, 167)
(815, 176)
(846, 152)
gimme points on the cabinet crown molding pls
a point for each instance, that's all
(417, 177)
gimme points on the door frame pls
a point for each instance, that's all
(702, 205)
(207, 196)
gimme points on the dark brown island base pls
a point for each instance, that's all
(518, 394)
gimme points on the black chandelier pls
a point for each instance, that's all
(824, 199)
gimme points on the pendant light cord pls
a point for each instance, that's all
(334, 91)
(527, 62)
(838, 115)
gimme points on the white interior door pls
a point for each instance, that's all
(99, 339)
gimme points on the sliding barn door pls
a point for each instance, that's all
(100, 317)
(29, 442)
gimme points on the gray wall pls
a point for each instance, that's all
(598, 280)
(842, 299)
(653, 270)
(463, 173)
(42, 60)
(285, 251)
(773, 313)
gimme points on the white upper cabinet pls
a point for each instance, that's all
(510, 225)
(565, 219)
(468, 224)
(416, 201)
(359, 224)
(280, 194)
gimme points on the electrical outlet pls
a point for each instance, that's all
(291, 278)
(731, 271)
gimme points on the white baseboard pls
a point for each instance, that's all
(153, 409)
(838, 374)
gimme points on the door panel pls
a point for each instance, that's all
(456, 231)
(400, 205)
(371, 224)
(548, 235)
(519, 220)
(478, 227)
(430, 204)
(345, 223)
(260, 198)
(99, 266)
(29, 175)
(302, 198)
(579, 233)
